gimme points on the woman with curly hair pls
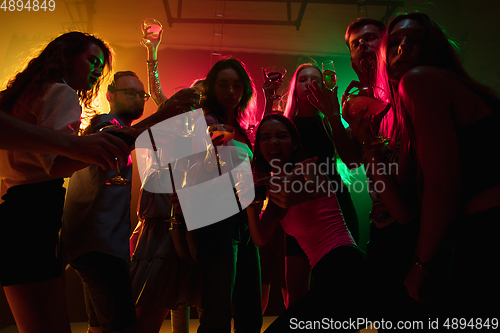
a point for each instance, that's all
(67, 73)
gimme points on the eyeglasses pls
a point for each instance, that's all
(131, 93)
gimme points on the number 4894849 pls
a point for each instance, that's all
(29, 5)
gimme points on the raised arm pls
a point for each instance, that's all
(261, 228)
(269, 87)
(183, 101)
(326, 101)
(399, 195)
(151, 43)
(98, 149)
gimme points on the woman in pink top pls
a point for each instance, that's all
(338, 265)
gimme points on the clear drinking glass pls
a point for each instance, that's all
(178, 172)
(151, 27)
(275, 73)
(216, 130)
(185, 127)
(329, 75)
(117, 180)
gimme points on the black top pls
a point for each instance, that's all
(479, 146)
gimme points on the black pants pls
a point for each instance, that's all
(340, 293)
(231, 277)
(108, 291)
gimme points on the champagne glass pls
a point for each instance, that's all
(216, 130)
(261, 190)
(329, 75)
(118, 180)
(151, 26)
(375, 98)
(178, 172)
(185, 123)
(275, 74)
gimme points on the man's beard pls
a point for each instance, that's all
(133, 112)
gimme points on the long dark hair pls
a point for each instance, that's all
(245, 109)
(259, 163)
(50, 66)
(437, 50)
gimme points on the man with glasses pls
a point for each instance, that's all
(96, 219)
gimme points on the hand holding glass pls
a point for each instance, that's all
(372, 97)
(227, 132)
(329, 75)
(151, 29)
(118, 180)
(180, 171)
(275, 74)
(186, 123)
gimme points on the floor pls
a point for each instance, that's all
(166, 328)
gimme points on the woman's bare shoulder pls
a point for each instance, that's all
(425, 78)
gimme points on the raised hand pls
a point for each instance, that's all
(325, 100)
(364, 126)
(352, 85)
(149, 39)
(283, 192)
(182, 101)
(271, 84)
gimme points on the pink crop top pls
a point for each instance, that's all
(318, 226)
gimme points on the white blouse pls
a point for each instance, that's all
(58, 109)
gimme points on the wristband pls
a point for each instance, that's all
(376, 143)
(417, 262)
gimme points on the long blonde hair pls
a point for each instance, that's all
(291, 107)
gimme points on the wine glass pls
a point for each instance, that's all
(185, 123)
(151, 26)
(329, 75)
(216, 130)
(260, 190)
(375, 98)
(275, 74)
(178, 172)
(117, 179)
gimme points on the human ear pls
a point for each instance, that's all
(109, 96)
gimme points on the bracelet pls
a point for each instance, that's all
(417, 262)
(376, 143)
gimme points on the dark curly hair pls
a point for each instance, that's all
(50, 66)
